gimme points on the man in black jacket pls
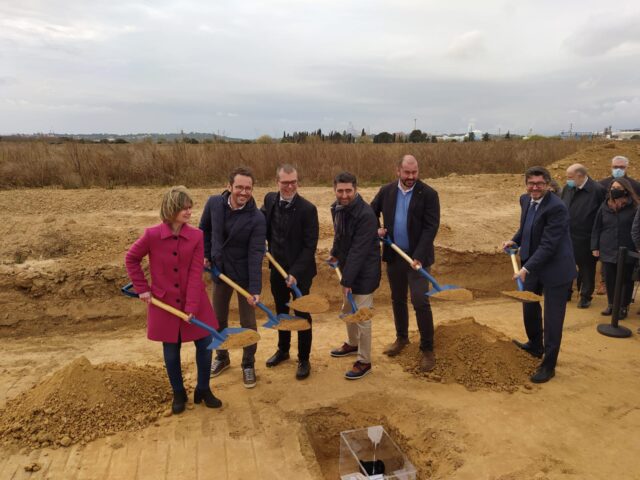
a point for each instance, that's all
(619, 167)
(292, 235)
(583, 197)
(234, 238)
(356, 250)
(411, 212)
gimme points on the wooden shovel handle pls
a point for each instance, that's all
(402, 253)
(514, 262)
(235, 286)
(277, 265)
(168, 308)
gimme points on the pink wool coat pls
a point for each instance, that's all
(175, 262)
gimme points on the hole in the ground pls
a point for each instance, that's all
(428, 436)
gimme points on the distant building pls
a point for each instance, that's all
(577, 135)
(627, 134)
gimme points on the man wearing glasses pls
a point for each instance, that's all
(548, 267)
(292, 235)
(234, 237)
(619, 167)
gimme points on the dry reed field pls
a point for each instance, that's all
(76, 165)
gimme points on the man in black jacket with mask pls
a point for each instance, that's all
(583, 197)
(292, 235)
(234, 238)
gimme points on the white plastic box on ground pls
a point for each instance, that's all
(371, 454)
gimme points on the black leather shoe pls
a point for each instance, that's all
(304, 369)
(535, 352)
(607, 311)
(624, 311)
(277, 358)
(210, 400)
(584, 303)
(543, 375)
(179, 402)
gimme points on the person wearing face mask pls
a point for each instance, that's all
(619, 169)
(583, 197)
(612, 230)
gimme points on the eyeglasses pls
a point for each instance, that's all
(536, 184)
(621, 167)
(240, 188)
(290, 183)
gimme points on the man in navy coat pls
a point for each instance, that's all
(548, 267)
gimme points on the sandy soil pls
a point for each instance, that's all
(60, 270)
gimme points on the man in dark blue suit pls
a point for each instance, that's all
(548, 267)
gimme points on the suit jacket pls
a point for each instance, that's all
(422, 223)
(238, 253)
(175, 263)
(357, 248)
(551, 251)
(301, 236)
(583, 204)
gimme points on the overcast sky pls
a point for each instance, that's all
(250, 67)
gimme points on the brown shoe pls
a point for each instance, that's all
(428, 361)
(602, 289)
(396, 347)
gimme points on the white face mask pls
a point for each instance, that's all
(617, 172)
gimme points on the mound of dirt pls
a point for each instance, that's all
(472, 355)
(82, 402)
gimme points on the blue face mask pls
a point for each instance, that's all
(617, 172)
(571, 183)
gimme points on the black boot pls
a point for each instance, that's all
(210, 400)
(607, 311)
(179, 402)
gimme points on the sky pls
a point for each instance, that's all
(247, 68)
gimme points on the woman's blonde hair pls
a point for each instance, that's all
(173, 201)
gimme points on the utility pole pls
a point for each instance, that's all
(415, 120)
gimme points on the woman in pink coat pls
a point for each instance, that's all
(176, 256)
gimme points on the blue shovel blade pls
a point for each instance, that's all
(271, 323)
(223, 335)
(433, 291)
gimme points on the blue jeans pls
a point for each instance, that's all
(174, 369)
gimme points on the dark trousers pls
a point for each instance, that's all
(222, 294)
(174, 368)
(281, 295)
(403, 278)
(610, 271)
(545, 334)
(586, 281)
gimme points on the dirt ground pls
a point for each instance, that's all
(61, 265)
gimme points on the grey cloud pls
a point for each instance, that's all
(604, 34)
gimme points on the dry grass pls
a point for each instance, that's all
(75, 165)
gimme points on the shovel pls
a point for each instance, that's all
(357, 315)
(521, 294)
(442, 292)
(224, 340)
(279, 322)
(312, 303)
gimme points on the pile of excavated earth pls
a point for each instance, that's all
(82, 402)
